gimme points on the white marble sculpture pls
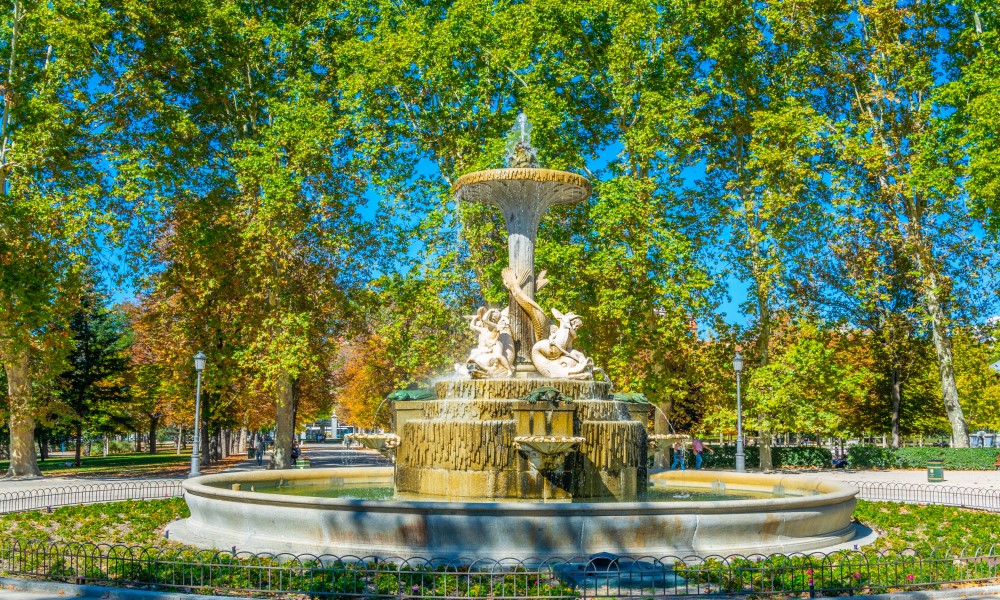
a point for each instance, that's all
(494, 354)
(553, 354)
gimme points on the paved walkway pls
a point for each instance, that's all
(336, 455)
(973, 479)
(318, 455)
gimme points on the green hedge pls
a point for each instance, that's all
(724, 457)
(957, 459)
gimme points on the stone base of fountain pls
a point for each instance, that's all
(465, 445)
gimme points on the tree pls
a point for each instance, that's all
(897, 158)
(94, 385)
(256, 196)
(55, 55)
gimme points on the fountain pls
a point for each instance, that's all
(522, 452)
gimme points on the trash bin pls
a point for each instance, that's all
(935, 470)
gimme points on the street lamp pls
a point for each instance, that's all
(741, 459)
(199, 366)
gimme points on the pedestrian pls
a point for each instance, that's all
(295, 451)
(678, 463)
(259, 450)
(699, 448)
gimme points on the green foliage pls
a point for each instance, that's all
(867, 457)
(133, 522)
(803, 456)
(915, 457)
(959, 459)
(928, 527)
(724, 457)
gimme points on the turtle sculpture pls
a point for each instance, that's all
(547, 394)
(404, 395)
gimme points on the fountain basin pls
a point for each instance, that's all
(549, 445)
(814, 514)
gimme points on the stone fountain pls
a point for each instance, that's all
(519, 452)
(525, 417)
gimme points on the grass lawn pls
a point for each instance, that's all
(902, 526)
(135, 522)
(165, 463)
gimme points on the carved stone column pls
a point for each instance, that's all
(523, 196)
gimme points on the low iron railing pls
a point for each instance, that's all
(920, 493)
(838, 573)
(88, 493)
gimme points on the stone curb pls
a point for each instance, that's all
(952, 594)
(70, 590)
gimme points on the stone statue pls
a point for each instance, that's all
(555, 357)
(553, 354)
(520, 153)
(494, 354)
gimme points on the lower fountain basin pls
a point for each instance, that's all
(814, 514)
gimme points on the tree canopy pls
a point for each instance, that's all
(274, 183)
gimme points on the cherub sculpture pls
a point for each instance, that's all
(494, 354)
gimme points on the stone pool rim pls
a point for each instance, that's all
(829, 490)
(287, 524)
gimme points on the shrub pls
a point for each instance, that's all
(871, 457)
(724, 457)
(958, 459)
(803, 456)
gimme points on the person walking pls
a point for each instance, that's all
(699, 448)
(678, 463)
(259, 450)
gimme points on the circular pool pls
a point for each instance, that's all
(795, 514)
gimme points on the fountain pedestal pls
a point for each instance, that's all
(465, 444)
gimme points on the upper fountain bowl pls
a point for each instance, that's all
(558, 187)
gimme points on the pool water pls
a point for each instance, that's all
(383, 491)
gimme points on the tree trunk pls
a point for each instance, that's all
(206, 458)
(242, 442)
(107, 445)
(946, 369)
(180, 438)
(78, 434)
(897, 395)
(764, 444)
(43, 443)
(154, 420)
(138, 440)
(281, 457)
(23, 461)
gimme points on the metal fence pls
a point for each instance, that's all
(91, 493)
(840, 573)
(918, 493)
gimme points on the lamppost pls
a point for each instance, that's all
(199, 366)
(741, 459)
